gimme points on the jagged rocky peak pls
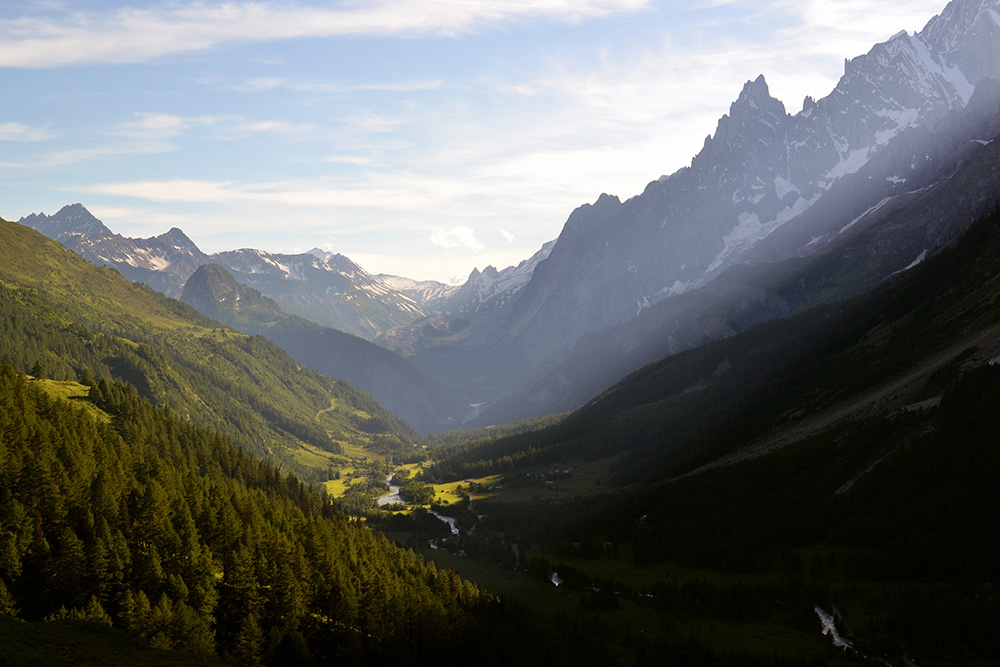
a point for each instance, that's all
(178, 239)
(484, 278)
(755, 122)
(916, 79)
(70, 219)
(588, 217)
(756, 95)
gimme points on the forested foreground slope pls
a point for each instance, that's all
(71, 320)
(130, 515)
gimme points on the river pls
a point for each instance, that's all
(448, 520)
(392, 498)
(830, 628)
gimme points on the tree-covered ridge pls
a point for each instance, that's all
(166, 530)
(74, 320)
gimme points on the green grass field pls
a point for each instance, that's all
(74, 392)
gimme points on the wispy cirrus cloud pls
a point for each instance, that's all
(270, 84)
(130, 35)
(398, 192)
(162, 126)
(71, 156)
(158, 126)
(643, 111)
(19, 132)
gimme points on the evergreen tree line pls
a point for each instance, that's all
(166, 530)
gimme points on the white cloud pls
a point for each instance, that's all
(18, 132)
(268, 84)
(456, 237)
(77, 155)
(129, 35)
(507, 236)
(155, 126)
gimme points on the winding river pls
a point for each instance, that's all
(392, 498)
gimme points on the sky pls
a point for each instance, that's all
(420, 138)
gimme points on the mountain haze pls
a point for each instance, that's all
(771, 200)
(766, 187)
(397, 385)
(820, 265)
(747, 417)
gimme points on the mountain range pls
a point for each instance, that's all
(782, 362)
(73, 320)
(772, 200)
(329, 288)
(767, 187)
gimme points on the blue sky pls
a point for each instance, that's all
(418, 137)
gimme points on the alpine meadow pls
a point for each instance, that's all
(748, 416)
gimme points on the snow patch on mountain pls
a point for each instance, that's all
(868, 212)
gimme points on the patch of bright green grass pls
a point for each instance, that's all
(75, 392)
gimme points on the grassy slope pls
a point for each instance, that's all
(182, 359)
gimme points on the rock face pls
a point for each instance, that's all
(406, 392)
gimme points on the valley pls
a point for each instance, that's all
(745, 417)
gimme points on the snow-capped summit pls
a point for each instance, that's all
(322, 286)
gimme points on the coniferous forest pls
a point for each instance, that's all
(134, 517)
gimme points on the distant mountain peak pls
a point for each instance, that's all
(756, 89)
(72, 219)
(214, 292)
(320, 253)
(756, 96)
(177, 238)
